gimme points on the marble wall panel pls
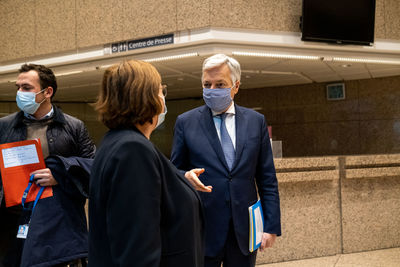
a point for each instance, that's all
(262, 100)
(308, 103)
(74, 109)
(380, 27)
(300, 95)
(338, 110)
(392, 19)
(86, 113)
(380, 136)
(148, 18)
(335, 138)
(296, 139)
(316, 139)
(192, 14)
(310, 222)
(282, 15)
(371, 213)
(55, 26)
(379, 98)
(3, 44)
(7, 108)
(96, 131)
(17, 29)
(99, 22)
(343, 110)
(60, 26)
(268, 15)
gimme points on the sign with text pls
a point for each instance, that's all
(142, 43)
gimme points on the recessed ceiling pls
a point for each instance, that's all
(183, 76)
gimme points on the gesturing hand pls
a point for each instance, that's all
(193, 177)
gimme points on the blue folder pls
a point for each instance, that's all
(256, 226)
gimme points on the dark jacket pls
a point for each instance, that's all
(142, 211)
(58, 229)
(67, 137)
(196, 144)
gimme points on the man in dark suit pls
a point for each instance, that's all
(232, 144)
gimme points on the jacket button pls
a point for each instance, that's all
(51, 140)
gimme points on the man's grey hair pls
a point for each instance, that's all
(219, 59)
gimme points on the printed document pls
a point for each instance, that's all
(17, 161)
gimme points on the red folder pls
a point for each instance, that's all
(17, 161)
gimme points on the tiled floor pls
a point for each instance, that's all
(376, 258)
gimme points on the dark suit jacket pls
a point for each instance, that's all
(142, 211)
(196, 145)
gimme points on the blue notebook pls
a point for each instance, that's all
(256, 224)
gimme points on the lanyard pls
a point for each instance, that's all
(27, 191)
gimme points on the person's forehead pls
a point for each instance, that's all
(221, 73)
(30, 77)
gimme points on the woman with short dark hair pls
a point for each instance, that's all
(142, 211)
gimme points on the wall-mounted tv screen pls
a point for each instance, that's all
(338, 21)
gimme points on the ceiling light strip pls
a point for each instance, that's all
(11, 67)
(274, 55)
(306, 57)
(166, 58)
(366, 60)
(56, 60)
(68, 73)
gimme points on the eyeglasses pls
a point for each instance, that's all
(164, 90)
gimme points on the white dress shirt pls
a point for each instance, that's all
(229, 123)
(48, 115)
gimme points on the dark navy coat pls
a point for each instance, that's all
(58, 229)
(142, 211)
(196, 145)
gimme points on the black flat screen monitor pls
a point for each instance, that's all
(338, 21)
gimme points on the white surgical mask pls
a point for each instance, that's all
(161, 116)
(26, 101)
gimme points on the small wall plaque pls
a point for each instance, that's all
(335, 91)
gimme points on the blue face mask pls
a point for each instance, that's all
(26, 101)
(161, 116)
(217, 100)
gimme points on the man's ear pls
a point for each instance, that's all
(237, 84)
(48, 93)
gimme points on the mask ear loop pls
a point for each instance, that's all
(40, 93)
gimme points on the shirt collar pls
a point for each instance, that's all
(48, 115)
(230, 110)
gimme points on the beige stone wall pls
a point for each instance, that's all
(333, 205)
(366, 122)
(40, 27)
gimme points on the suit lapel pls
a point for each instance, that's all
(241, 130)
(208, 126)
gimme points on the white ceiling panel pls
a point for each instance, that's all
(183, 76)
